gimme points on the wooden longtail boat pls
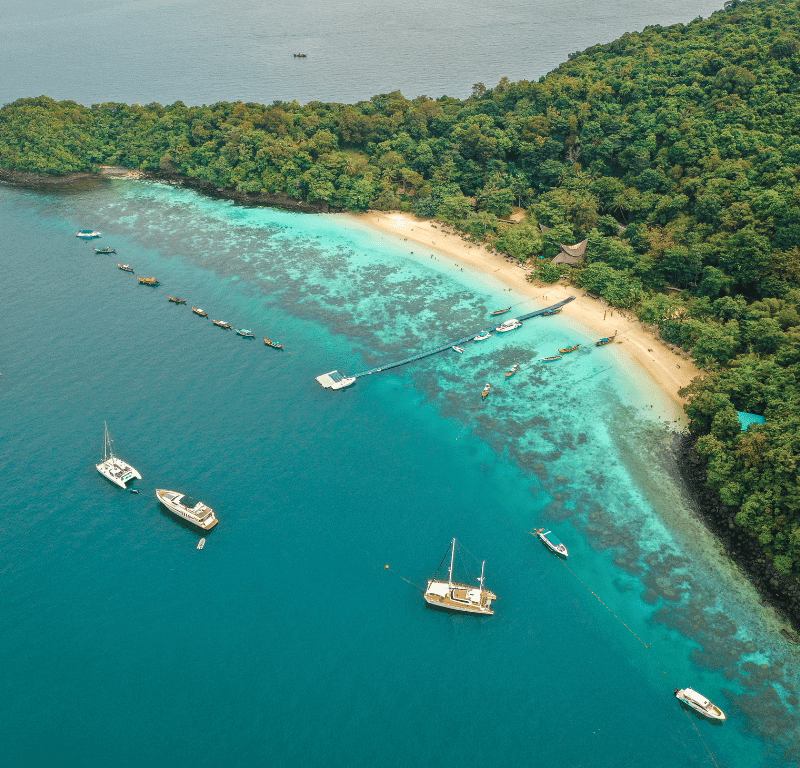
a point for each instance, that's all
(500, 311)
(221, 323)
(273, 344)
(199, 311)
(566, 350)
(125, 267)
(147, 280)
(246, 332)
(605, 340)
(176, 299)
(511, 371)
(552, 311)
(486, 391)
(105, 250)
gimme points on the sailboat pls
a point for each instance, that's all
(116, 470)
(454, 596)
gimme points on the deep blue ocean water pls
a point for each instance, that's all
(286, 641)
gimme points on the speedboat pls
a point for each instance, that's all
(699, 703)
(486, 391)
(508, 325)
(176, 299)
(87, 233)
(511, 371)
(201, 543)
(482, 336)
(199, 311)
(125, 267)
(221, 323)
(550, 359)
(459, 350)
(246, 332)
(115, 469)
(184, 506)
(553, 544)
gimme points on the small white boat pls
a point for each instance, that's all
(454, 596)
(699, 703)
(201, 543)
(508, 325)
(552, 543)
(182, 505)
(459, 350)
(116, 470)
(482, 336)
(87, 233)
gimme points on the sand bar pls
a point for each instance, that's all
(669, 370)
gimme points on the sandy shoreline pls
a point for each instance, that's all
(670, 371)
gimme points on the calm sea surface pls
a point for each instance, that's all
(286, 641)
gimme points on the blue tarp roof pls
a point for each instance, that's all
(746, 419)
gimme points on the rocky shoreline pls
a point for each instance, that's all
(285, 202)
(776, 589)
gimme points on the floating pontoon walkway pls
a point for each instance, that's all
(450, 344)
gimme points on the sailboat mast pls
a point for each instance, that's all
(105, 440)
(452, 557)
(483, 565)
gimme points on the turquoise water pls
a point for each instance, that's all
(286, 641)
(204, 51)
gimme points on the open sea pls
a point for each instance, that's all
(298, 636)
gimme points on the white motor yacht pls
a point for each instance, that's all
(184, 506)
(87, 233)
(116, 470)
(699, 703)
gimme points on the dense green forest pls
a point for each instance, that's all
(675, 151)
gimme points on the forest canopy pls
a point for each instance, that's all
(675, 152)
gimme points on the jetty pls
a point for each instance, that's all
(336, 380)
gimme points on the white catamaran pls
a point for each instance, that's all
(116, 470)
(453, 596)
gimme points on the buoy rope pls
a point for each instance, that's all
(699, 736)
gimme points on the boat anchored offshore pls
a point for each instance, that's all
(125, 267)
(195, 512)
(116, 470)
(699, 703)
(552, 544)
(87, 233)
(335, 380)
(486, 391)
(176, 299)
(550, 359)
(508, 325)
(273, 344)
(201, 543)
(199, 311)
(511, 371)
(454, 596)
(105, 250)
(147, 280)
(246, 332)
(221, 323)
(567, 350)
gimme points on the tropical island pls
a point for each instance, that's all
(658, 172)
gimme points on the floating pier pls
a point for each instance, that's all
(337, 380)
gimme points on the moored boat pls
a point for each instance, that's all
(550, 359)
(87, 233)
(220, 323)
(567, 350)
(454, 596)
(552, 543)
(482, 336)
(147, 280)
(115, 469)
(460, 350)
(699, 703)
(486, 391)
(273, 344)
(246, 332)
(552, 311)
(125, 267)
(605, 340)
(500, 311)
(201, 543)
(195, 512)
(511, 371)
(105, 250)
(508, 325)
(176, 299)
(199, 311)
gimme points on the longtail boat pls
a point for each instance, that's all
(221, 323)
(552, 311)
(500, 311)
(147, 280)
(486, 391)
(199, 311)
(511, 371)
(105, 250)
(550, 359)
(125, 267)
(566, 350)
(273, 344)
(246, 332)
(605, 340)
(176, 299)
